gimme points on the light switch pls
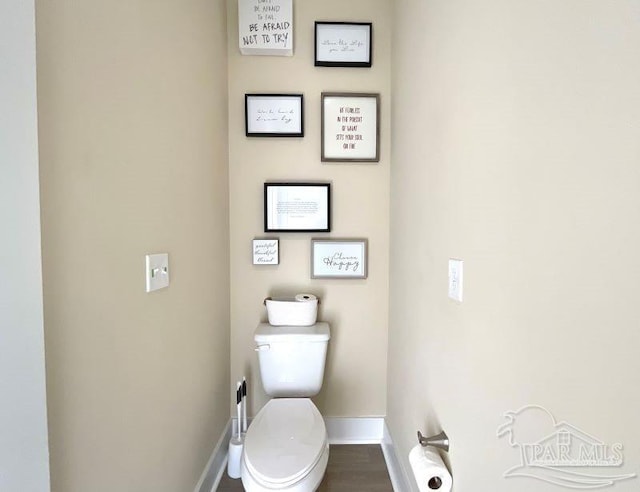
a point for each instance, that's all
(455, 279)
(157, 271)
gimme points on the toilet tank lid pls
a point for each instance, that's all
(266, 333)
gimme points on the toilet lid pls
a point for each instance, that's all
(284, 441)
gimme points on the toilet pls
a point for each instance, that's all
(286, 447)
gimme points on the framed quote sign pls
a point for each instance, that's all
(265, 27)
(338, 258)
(265, 251)
(343, 44)
(297, 207)
(273, 115)
(350, 127)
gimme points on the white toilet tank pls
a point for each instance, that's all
(292, 358)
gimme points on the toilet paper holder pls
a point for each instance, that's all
(440, 441)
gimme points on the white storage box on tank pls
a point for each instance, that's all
(301, 310)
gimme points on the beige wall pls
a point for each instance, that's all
(515, 148)
(133, 118)
(356, 309)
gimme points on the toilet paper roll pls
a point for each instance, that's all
(429, 470)
(305, 297)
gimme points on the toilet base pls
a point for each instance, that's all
(309, 483)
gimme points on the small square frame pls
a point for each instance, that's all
(339, 258)
(274, 115)
(266, 251)
(343, 44)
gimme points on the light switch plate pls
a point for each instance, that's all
(455, 279)
(157, 271)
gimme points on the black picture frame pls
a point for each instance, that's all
(343, 44)
(297, 207)
(274, 115)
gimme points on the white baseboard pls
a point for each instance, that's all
(341, 430)
(354, 430)
(398, 477)
(217, 463)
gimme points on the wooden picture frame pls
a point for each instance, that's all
(339, 258)
(266, 251)
(350, 126)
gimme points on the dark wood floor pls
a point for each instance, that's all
(351, 468)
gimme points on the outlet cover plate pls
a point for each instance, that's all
(455, 279)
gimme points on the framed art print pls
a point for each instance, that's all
(274, 115)
(266, 251)
(343, 44)
(265, 27)
(350, 127)
(297, 207)
(338, 258)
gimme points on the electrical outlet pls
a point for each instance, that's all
(455, 279)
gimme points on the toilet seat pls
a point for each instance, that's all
(285, 441)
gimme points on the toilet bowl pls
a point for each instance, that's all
(286, 447)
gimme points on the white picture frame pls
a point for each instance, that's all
(339, 258)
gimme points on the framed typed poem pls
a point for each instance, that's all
(343, 44)
(350, 127)
(338, 258)
(274, 115)
(297, 207)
